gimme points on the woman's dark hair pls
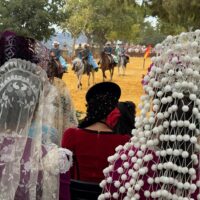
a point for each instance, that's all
(126, 121)
(98, 107)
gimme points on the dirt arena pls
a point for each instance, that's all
(130, 83)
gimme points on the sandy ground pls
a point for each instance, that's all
(130, 83)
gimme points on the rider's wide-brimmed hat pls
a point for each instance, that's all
(119, 42)
(56, 43)
(104, 88)
(108, 43)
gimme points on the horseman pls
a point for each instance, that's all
(54, 67)
(109, 51)
(57, 53)
(56, 50)
(79, 51)
(122, 52)
(87, 58)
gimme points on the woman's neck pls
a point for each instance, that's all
(99, 126)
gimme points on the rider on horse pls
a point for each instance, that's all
(109, 50)
(122, 52)
(57, 52)
(88, 59)
(79, 51)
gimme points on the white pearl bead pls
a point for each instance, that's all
(133, 159)
(109, 180)
(136, 166)
(173, 123)
(193, 187)
(192, 171)
(117, 184)
(124, 157)
(169, 151)
(147, 193)
(172, 138)
(115, 195)
(186, 137)
(193, 139)
(179, 138)
(102, 183)
(193, 97)
(130, 172)
(192, 126)
(186, 123)
(195, 111)
(186, 185)
(185, 154)
(159, 94)
(165, 124)
(176, 152)
(185, 108)
(180, 95)
(122, 189)
(124, 177)
(137, 187)
(131, 153)
(160, 115)
(140, 154)
(180, 123)
(163, 153)
(164, 100)
(150, 180)
(120, 170)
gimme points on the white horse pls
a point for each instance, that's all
(123, 60)
(79, 69)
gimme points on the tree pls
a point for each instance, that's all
(175, 15)
(32, 18)
(76, 22)
(103, 20)
(150, 35)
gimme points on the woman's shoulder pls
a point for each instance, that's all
(71, 130)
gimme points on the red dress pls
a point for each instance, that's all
(91, 150)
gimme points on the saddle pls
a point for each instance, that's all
(87, 67)
(110, 57)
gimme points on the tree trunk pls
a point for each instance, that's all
(73, 47)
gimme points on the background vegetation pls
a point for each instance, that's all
(100, 20)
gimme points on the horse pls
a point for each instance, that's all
(80, 68)
(123, 60)
(106, 64)
(54, 69)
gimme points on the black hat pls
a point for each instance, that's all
(103, 88)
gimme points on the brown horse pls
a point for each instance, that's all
(106, 64)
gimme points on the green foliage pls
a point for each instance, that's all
(103, 19)
(33, 18)
(150, 35)
(176, 15)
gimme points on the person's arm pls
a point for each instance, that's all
(68, 139)
(57, 160)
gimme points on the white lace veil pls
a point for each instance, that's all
(28, 169)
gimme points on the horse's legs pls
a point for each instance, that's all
(118, 66)
(79, 81)
(113, 71)
(88, 79)
(111, 74)
(123, 67)
(104, 76)
(93, 76)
